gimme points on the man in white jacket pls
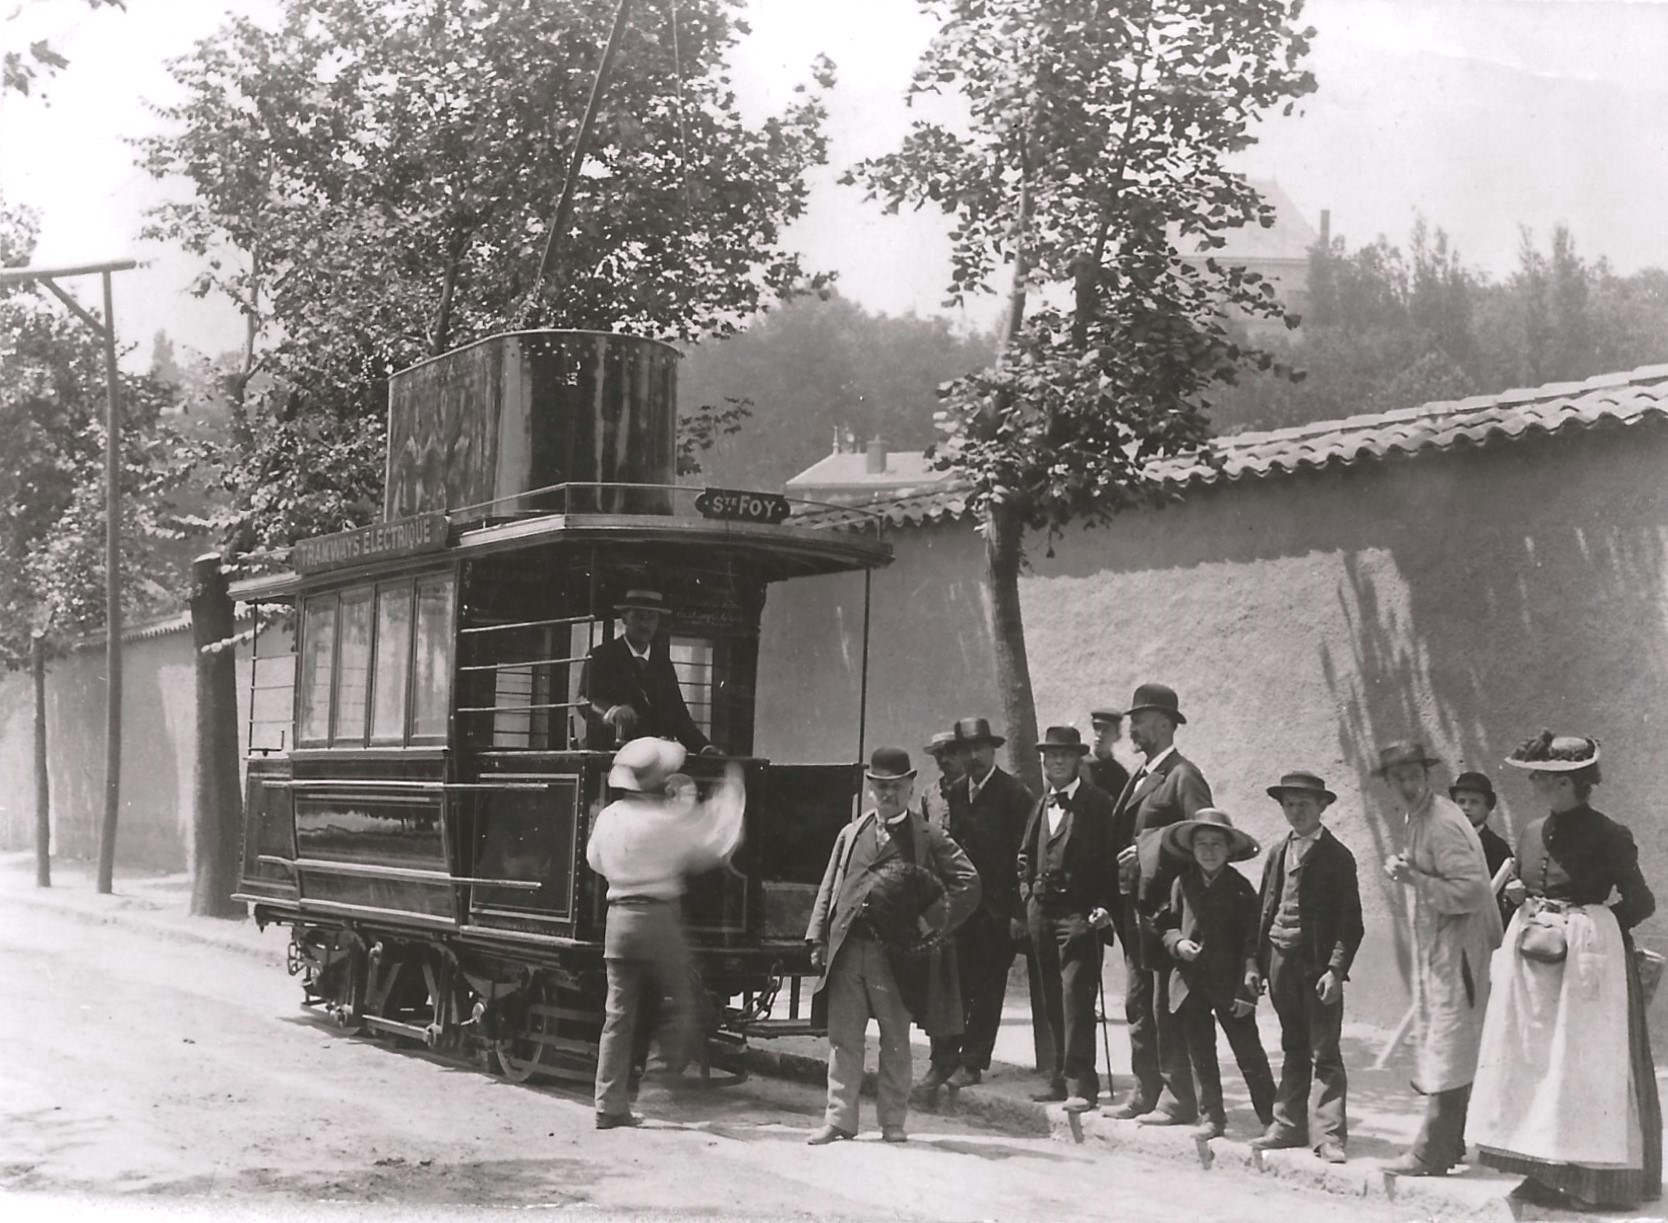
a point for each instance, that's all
(645, 844)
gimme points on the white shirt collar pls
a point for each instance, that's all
(1155, 761)
(1070, 791)
(975, 785)
(636, 653)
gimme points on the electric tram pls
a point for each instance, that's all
(417, 815)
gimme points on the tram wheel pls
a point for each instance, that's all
(558, 1039)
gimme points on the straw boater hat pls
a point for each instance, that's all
(643, 765)
(1300, 782)
(888, 764)
(1476, 783)
(1155, 696)
(1407, 751)
(940, 742)
(976, 730)
(642, 599)
(1549, 754)
(1178, 838)
(1063, 738)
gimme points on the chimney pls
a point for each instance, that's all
(838, 449)
(875, 462)
(1326, 229)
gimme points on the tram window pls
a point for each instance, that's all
(432, 666)
(692, 661)
(353, 667)
(393, 664)
(318, 656)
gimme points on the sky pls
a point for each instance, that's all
(1480, 115)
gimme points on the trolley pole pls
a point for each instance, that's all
(105, 330)
(43, 799)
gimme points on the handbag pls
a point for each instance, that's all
(1542, 937)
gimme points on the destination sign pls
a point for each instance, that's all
(734, 505)
(380, 542)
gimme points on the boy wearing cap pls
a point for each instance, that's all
(878, 853)
(1101, 768)
(1307, 935)
(1209, 928)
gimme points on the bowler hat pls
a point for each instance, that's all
(1405, 751)
(1155, 696)
(643, 765)
(1063, 738)
(889, 763)
(1300, 782)
(1477, 783)
(1097, 716)
(941, 741)
(642, 599)
(1178, 838)
(976, 730)
(1547, 753)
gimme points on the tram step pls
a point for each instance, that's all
(767, 1028)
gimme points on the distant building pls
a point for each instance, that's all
(1280, 253)
(873, 474)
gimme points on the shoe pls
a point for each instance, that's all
(1206, 1130)
(828, 1134)
(1157, 1117)
(1411, 1165)
(966, 1077)
(1056, 1094)
(1131, 1110)
(618, 1121)
(1276, 1139)
(936, 1077)
(1079, 1104)
(893, 1133)
(1331, 1153)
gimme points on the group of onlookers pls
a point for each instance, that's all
(1530, 1037)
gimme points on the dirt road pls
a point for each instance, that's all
(177, 1076)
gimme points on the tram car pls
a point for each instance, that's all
(419, 818)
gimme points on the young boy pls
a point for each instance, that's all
(1307, 937)
(1209, 928)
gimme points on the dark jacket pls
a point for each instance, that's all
(1090, 867)
(1328, 904)
(612, 677)
(1495, 853)
(1222, 919)
(1107, 775)
(1151, 802)
(989, 828)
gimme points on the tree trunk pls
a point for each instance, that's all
(217, 807)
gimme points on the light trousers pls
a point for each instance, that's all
(860, 985)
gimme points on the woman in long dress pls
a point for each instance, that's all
(1566, 1091)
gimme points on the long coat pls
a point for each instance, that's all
(989, 828)
(612, 677)
(1170, 792)
(1456, 927)
(859, 851)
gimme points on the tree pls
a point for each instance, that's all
(20, 71)
(1094, 147)
(370, 182)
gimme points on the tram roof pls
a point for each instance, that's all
(780, 551)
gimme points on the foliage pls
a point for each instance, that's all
(52, 405)
(369, 183)
(821, 366)
(21, 71)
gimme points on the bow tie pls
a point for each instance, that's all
(1057, 798)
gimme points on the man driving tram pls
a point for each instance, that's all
(629, 688)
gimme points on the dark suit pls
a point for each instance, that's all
(614, 676)
(1329, 915)
(988, 829)
(1222, 918)
(1107, 775)
(1161, 795)
(1495, 853)
(1058, 903)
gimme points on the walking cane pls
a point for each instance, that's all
(1105, 1041)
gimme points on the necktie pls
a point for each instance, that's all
(1057, 798)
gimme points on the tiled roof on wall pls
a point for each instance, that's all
(1608, 400)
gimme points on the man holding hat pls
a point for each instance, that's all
(644, 844)
(886, 864)
(1456, 927)
(1209, 928)
(1307, 935)
(1068, 879)
(988, 811)
(1166, 790)
(629, 687)
(1102, 769)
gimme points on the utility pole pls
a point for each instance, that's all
(105, 330)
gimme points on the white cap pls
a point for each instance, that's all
(644, 764)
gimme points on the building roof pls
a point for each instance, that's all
(1288, 239)
(1606, 401)
(845, 478)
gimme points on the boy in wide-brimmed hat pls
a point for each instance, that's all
(1307, 934)
(1209, 928)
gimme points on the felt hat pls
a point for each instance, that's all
(940, 742)
(1404, 751)
(1300, 782)
(1547, 753)
(1178, 838)
(888, 764)
(1105, 714)
(1477, 783)
(643, 765)
(1155, 696)
(1063, 738)
(976, 730)
(642, 599)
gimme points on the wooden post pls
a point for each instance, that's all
(112, 603)
(217, 807)
(43, 808)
